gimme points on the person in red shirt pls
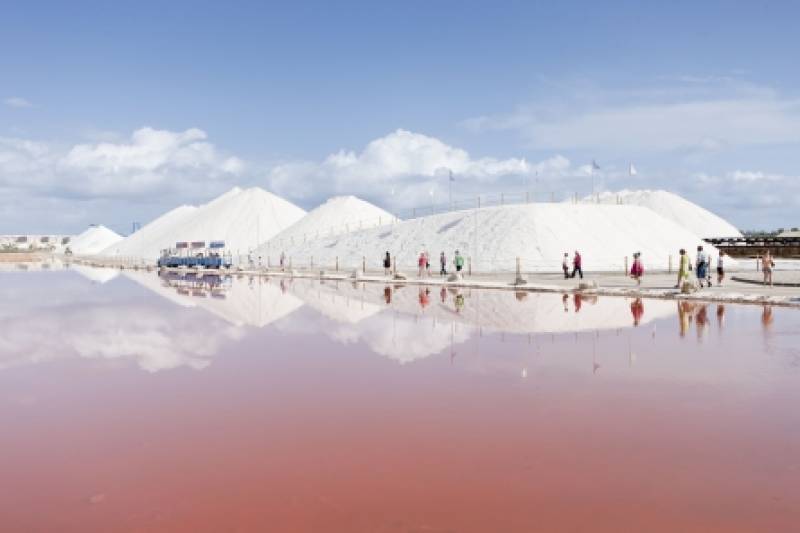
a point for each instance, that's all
(576, 265)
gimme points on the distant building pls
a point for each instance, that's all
(794, 232)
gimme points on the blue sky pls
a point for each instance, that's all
(315, 99)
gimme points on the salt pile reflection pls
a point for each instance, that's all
(264, 407)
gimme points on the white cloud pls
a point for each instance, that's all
(151, 161)
(695, 113)
(17, 102)
(410, 163)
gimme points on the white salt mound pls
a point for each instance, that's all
(140, 244)
(243, 218)
(338, 215)
(491, 238)
(93, 240)
(696, 219)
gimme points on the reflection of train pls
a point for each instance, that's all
(198, 285)
(196, 255)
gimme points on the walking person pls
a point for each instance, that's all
(577, 265)
(637, 268)
(684, 266)
(720, 268)
(387, 264)
(421, 262)
(427, 263)
(565, 265)
(442, 264)
(283, 260)
(458, 260)
(767, 264)
(701, 267)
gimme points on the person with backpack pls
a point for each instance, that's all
(577, 265)
(637, 268)
(387, 264)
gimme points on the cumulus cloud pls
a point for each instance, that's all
(402, 167)
(17, 102)
(150, 161)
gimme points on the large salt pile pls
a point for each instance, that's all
(93, 240)
(493, 237)
(243, 218)
(158, 231)
(696, 219)
(338, 215)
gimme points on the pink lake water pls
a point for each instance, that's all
(139, 403)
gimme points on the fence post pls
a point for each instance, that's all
(626, 265)
(479, 202)
(469, 265)
(526, 197)
(669, 267)
(337, 263)
(519, 270)
(312, 261)
(364, 264)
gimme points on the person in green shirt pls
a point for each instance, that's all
(458, 260)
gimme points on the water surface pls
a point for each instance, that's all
(130, 402)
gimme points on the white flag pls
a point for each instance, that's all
(632, 170)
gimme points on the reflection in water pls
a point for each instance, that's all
(297, 426)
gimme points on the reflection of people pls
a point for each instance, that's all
(637, 310)
(702, 320)
(424, 297)
(720, 315)
(459, 302)
(720, 268)
(565, 301)
(766, 317)
(387, 294)
(578, 300)
(684, 316)
(443, 294)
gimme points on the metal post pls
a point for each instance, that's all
(364, 264)
(469, 265)
(626, 264)
(337, 263)
(669, 269)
